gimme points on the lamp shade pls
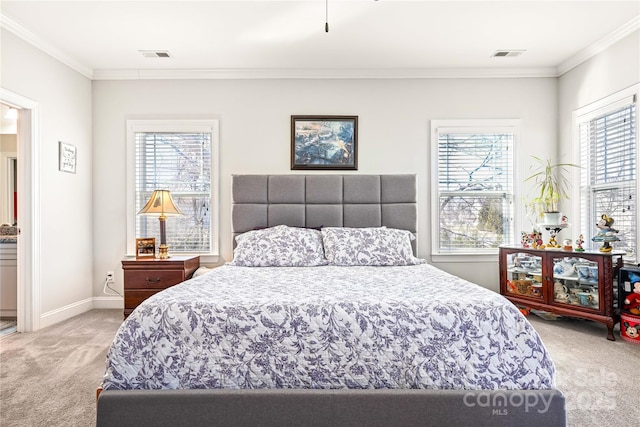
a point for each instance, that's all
(161, 204)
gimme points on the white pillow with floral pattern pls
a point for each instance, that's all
(368, 246)
(279, 246)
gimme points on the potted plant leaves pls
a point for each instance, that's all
(551, 184)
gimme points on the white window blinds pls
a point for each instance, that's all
(608, 179)
(181, 163)
(475, 189)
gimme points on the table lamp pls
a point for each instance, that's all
(161, 204)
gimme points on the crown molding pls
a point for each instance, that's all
(599, 46)
(262, 73)
(280, 73)
(40, 43)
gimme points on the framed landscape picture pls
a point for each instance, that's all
(324, 142)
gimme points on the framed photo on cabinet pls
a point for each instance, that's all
(145, 248)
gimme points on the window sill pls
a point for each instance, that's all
(464, 257)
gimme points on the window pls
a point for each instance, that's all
(179, 156)
(608, 180)
(473, 199)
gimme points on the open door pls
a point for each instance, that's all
(28, 210)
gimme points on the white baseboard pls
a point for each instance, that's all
(63, 313)
(71, 310)
(115, 302)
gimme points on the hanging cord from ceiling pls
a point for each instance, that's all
(326, 15)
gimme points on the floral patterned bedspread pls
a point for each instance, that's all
(327, 327)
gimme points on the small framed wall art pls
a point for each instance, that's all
(324, 142)
(66, 157)
(145, 248)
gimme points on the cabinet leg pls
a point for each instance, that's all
(610, 336)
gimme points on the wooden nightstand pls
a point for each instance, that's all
(145, 277)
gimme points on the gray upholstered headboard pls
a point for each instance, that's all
(260, 201)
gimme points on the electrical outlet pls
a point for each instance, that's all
(110, 277)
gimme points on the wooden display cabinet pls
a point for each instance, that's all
(145, 277)
(568, 283)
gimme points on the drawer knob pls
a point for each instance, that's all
(151, 280)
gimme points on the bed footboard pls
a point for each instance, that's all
(369, 408)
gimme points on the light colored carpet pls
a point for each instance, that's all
(598, 377)
(49, 378)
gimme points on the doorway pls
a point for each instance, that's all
(8, 219)
(27, 179)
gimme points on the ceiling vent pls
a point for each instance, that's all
(503, 53)
(155, 53)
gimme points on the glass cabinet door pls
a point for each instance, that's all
(524, 275)
(575, 282)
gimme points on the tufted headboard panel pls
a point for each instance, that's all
(260, 201)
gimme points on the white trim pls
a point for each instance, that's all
(608, 103)
(63, 313)
(70, 310)
(29, 215)
(599, 46)
(177, 125)
(346, 73)
(586, 113)
(285, 73)
(465, 257)
(474, 125)
(44, 45)
(116, 303)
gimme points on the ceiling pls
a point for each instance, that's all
(366, 38)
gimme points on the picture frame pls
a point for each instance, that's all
(324, 142)
(145, 248)
(66, 157)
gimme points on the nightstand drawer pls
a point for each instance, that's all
(152, 279)
(133, 298)
(145, 277)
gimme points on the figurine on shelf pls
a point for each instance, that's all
(564, 220)
(579, 243)
(552, 238)
(566, 245)
(606, 233)
(536, 240)
(525, 239)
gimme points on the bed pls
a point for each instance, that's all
(326, 317)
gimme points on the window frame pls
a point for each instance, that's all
(211, 126)
(512, 126)
(587, 113)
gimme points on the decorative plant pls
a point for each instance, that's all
(551, 184)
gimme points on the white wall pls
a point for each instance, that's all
(64, 99)
(610, 71)
(82, 237)
(394, 117)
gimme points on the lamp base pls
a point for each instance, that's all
(163, 251)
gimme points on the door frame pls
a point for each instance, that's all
(29, 214)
